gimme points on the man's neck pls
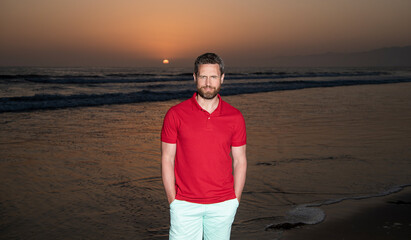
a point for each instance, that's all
(208, 105)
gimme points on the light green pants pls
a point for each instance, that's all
(193, 221)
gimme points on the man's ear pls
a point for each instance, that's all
(195, 77)
(222, 78)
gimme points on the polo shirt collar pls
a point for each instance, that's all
(196, 106)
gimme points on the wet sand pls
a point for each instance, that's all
(380, 218)
(94, 172)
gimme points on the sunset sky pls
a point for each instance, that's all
(144, 32)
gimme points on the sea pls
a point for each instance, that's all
(28, 89)
(80, 147)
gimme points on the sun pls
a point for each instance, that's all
(165, 61)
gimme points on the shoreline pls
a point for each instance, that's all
(93, 173)
(385, 217)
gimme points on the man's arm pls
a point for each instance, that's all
(240, 169)
(168, 153)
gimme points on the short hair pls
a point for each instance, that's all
(209, 58)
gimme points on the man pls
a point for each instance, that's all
(203, 184)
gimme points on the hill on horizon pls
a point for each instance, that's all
(389, 56)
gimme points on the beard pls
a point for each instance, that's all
(208, 94)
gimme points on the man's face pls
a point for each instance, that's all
(208, 80)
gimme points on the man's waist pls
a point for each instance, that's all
(206, 199)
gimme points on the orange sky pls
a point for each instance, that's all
(129, 32)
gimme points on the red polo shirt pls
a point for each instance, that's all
(203, 166)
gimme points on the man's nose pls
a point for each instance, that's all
(208, 81)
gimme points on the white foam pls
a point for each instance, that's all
(310, 214)
(381, 194)
(306, 215)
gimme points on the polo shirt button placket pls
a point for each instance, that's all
(208, 122)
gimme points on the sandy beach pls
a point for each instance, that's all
(340, 130)
(94, 173)
(385, 217)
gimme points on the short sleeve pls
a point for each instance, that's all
(239, 136)
(169, 129)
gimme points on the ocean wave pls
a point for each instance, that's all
(101, 80)
(48, 101)
(97, 78)
(55, 101)
(304, 74)
(269, 86)
(138, 75)
(43, 76)
(167, 77)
